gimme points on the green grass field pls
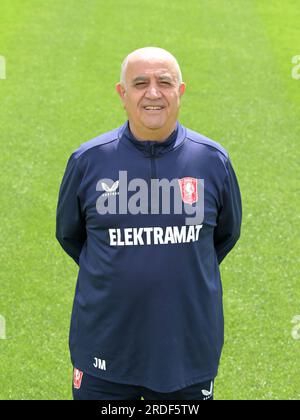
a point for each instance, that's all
(62, 62)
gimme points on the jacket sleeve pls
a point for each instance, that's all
(70, 222)
(228, 228)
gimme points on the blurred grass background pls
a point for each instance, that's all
(62, 63)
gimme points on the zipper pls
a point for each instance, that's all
(153, 166)
(153, 197)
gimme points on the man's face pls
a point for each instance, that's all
(151, 97)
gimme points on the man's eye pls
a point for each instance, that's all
(140, 84)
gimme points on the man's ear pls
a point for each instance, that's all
(182, 88)
(121, 90)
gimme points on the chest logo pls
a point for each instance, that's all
(110, 190)
(189, 189)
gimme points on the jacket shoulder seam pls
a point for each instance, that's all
(98, 142)
(207, 142)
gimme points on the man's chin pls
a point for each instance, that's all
(154, 125)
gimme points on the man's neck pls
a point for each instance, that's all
(152, 135)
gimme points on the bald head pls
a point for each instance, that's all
(150, 54)
(151, 88)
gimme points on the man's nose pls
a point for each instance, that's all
(153, 92)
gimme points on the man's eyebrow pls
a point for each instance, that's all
(165, 77)
(140, 79)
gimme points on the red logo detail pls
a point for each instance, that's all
(189, 189)
(77, 378)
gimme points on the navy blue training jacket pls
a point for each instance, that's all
(148, 303)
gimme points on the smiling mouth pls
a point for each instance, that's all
(153, 108)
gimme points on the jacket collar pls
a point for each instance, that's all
(153, 148)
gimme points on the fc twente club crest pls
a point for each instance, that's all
(189, 189)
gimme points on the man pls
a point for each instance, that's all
(147, 319)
